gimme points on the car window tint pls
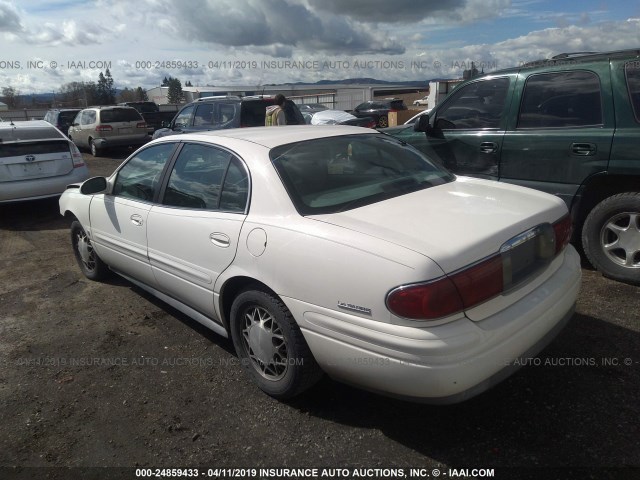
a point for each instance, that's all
(139, 178)
(235, 191)
(333, 174)
(478, 105)
(561, 99)
(203, 115)
(120, 115)
(196, 177)
(183, 119)
(633, 83)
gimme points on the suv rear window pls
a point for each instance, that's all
(632, 70)
(561, 99)
(120, 115)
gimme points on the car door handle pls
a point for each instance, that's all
(584, 149)
(488, 147)
(220, 239)
(137, 220)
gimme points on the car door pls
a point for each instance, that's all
(468, 128)
(193, 233)
(119, 219)
(561, 132)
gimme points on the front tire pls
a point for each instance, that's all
(611, 237)
(270, 345)
(91, 265)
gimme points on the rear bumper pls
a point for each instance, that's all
(35, 188)
(448, 363)
(128, 141)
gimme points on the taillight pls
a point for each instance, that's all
(451, 294)
(477, 283)
(141, 125)
(103, 128)
(563, 229)
(76, 156)
(371, 124)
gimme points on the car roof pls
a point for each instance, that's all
(271, 137)
(28, 130)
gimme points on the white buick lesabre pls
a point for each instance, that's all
(337, 250)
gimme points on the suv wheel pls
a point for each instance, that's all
(611, 237)
(383, 121)
(95, 151)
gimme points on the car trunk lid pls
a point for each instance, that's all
(34, 159)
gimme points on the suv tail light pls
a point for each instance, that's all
(103, 128)
(76, 156)
(469, 286)
(141, 125)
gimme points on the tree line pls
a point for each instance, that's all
(84, 94)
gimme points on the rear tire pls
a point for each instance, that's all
(91, 265)
(611, 237)
(270, 345)
(95, 151)
(383, 121)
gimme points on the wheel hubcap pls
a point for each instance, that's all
(620, 239)
(86, 251)
(264, 343)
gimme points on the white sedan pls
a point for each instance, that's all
(336, 250)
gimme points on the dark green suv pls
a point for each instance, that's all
(569, 126)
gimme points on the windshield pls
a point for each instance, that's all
(334, 174)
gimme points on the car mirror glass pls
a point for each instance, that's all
(94, 185)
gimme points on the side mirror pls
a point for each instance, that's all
(75, 124)
(422, 124)
(94, 185)
(165, 124)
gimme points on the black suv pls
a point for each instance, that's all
(215, 113)
(61, 118)
(569, 126)
(379, 110)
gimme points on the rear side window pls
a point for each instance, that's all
(198, 176)
(477, 105)
(139, 178)
(120, 115)
(561, 99)
(632, 70)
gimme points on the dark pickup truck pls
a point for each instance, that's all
(151, 113)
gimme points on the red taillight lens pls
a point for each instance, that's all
(563, 229)
(141, 125)
(76, 156)
(425, 302)
(480, 282)
(448, 295)
(103, 128)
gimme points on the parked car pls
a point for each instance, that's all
(335, 249)
(151, 114)
(340, 117)
(379, 110)
(311, 107)
(100, 128)
(422, 101)
(37, 161)
(61, 118)
(218, 113)
(568, 126)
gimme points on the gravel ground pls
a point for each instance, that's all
(103, 375)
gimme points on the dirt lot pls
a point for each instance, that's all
(101, 374)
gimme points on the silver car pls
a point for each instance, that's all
(100, 128)
(37, 161)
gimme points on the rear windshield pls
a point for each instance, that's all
(334, 174)
(67, 116)
(33, 148)
(120, 115)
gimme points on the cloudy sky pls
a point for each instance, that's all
(47, 43)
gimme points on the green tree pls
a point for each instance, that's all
(141, 95)
(10, 96)
(165, 82)
(175, 94)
